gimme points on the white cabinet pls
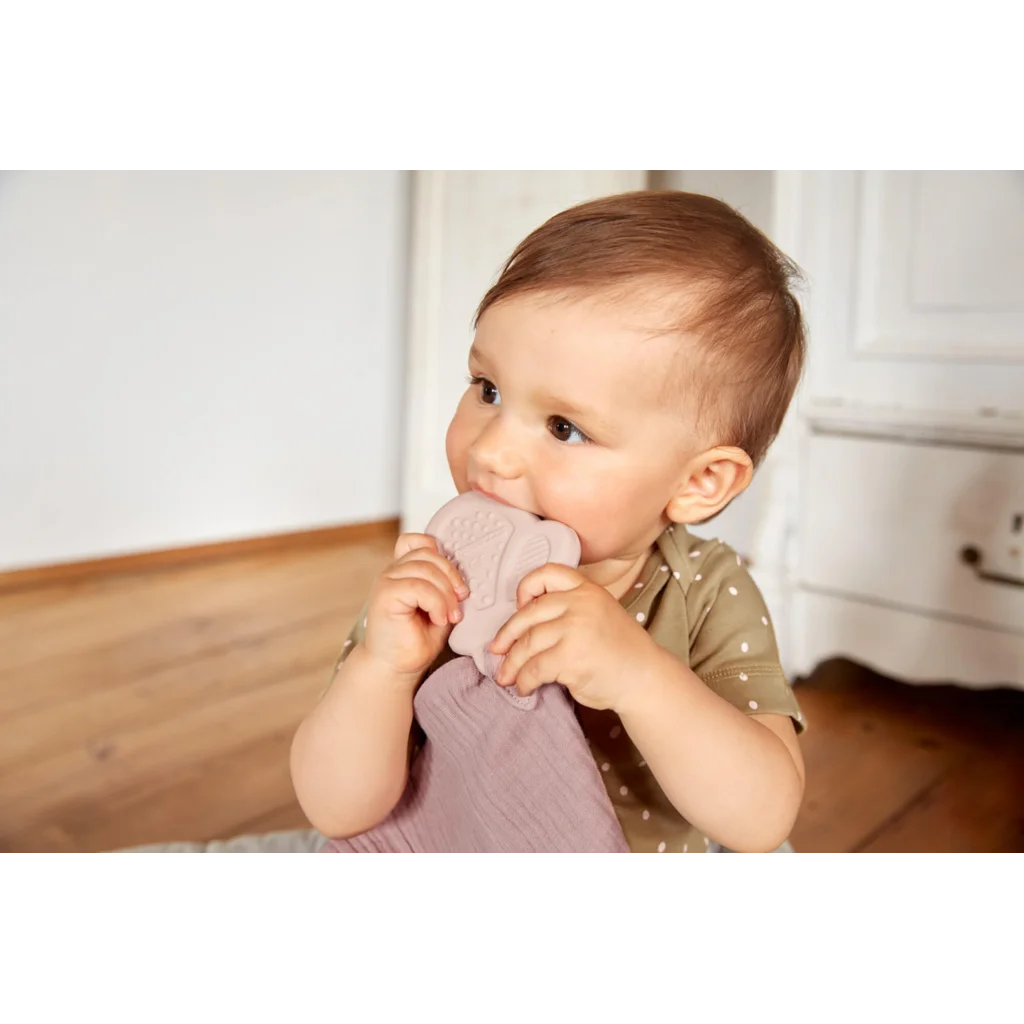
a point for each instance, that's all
(953, 528)
(907, 557)
(906, 450)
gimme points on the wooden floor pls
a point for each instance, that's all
(161, 705)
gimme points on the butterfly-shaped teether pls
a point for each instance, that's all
(494, 546)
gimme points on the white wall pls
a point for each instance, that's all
(194, 357)
(751, 193)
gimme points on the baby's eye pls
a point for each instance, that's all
(489, 394)
(566, 431)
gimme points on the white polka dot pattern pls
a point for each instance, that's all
(616, 730)
(752, 704)
(733, 591)
(624, 790)
(645, 815)
(661, 847)
(744, 647)
(640, 616)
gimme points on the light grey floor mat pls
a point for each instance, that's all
(298, 841)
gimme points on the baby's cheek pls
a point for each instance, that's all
(456, 446)
(570, 497)
(592, 511)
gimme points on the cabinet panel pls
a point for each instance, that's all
(890, 523)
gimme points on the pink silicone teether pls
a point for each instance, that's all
(494, 546)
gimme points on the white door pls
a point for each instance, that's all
(917, 298)
(466, 224)
(911, 453)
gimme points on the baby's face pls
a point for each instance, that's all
(567, 418)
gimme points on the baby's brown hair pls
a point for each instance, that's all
(737, 283)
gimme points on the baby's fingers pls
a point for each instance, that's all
(455, 579)
(544, 609)
(537, 641)
(414, 542)
(419, 568)
(413, 593)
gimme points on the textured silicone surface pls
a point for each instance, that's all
(494, 546)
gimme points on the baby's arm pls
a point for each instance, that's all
(738, 778)
(349, 757)
(716, 725)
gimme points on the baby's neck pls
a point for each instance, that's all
(616, 575)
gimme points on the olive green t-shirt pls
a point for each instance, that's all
(697, 600)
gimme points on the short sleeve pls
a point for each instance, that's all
(732, 642)
(355, 636)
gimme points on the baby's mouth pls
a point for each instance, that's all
(502, 501)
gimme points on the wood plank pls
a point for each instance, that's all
(153, 687)
(77, 617)
(977, 807)
(861, 769)
(213, 801)
(64, 787)
(877, 747)
(96, 719)
(148, 561)
(104, 642)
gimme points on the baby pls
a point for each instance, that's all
(630, 368)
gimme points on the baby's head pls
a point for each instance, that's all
(631, 367)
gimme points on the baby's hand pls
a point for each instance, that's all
(412, 607)
(571, 631)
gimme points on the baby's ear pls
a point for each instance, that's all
(709, 483)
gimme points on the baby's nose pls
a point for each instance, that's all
(494, 453)
(501, 462)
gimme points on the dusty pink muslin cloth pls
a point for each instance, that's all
(498, 774)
